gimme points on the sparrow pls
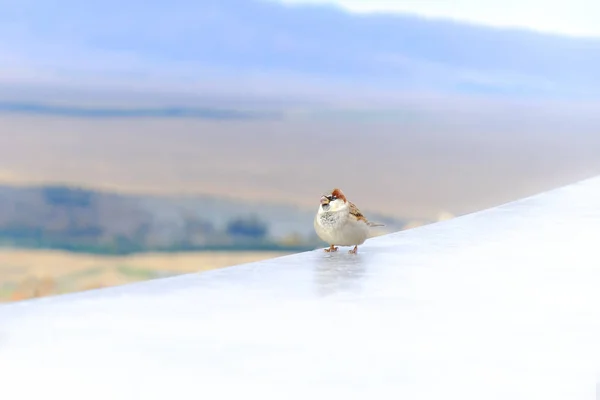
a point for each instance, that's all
(340, 222)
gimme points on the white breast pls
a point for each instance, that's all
(338, 228)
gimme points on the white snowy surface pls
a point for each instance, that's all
(501, 304)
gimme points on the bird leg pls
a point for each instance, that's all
(331, 249)
(354, 250)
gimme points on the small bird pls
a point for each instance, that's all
(340, 222)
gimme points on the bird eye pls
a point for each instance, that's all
(333, 198)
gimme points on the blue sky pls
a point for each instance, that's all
(256, 46)
(571, 17)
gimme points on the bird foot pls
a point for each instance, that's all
(354, 250)
(331, 248)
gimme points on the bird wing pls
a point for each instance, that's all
(359, 216)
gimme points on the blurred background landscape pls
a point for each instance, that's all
(146, 139)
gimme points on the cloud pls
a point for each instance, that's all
(576, 17)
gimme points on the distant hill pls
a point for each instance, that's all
(15, 107)
(75, 219)
(245, 46)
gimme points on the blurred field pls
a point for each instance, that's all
(416, 165)
(34, 273)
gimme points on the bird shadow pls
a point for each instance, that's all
(339, 272)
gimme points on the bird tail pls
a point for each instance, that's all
(374, 224)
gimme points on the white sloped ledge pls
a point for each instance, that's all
(499, 304)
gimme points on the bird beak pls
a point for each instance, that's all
(324, 200)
